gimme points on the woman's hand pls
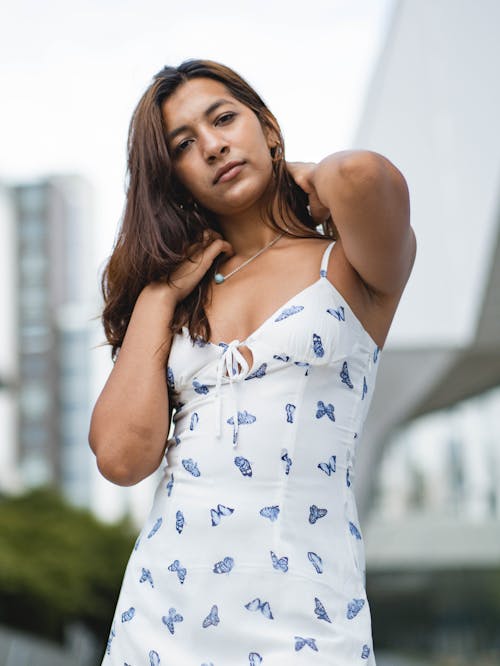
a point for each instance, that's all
(191, 271)
(302, 173)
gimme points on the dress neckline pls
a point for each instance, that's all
(255, 334)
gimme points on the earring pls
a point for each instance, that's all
(276, 153)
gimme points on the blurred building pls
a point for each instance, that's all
(432, 111)
(9, 480)
(46, 334)
(428, 471)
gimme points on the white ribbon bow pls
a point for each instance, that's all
(233, 366)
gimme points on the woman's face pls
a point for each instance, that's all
(207, 129)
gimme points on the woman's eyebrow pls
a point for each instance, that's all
(219, 102)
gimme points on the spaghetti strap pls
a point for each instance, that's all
(324, 261)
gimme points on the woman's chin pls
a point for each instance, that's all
(239, 201)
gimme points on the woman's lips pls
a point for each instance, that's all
(232, 173)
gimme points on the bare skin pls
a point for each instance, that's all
(369, 265)
(366, 195)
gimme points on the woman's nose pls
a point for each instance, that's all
(213, 145)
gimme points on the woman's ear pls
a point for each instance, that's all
(271, 136)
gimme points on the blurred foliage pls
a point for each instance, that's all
(58, 564)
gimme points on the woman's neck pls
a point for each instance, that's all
(250, 230)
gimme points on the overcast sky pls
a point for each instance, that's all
(72, 72)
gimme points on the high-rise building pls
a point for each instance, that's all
(9, 479)
(52, 246)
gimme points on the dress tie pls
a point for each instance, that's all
(232, 365)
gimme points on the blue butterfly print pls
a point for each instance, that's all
(260, 372)
(287, 460)
(301, 642)
(354, 530)
(199, 342)
(355, 435)
(270, 512)
(318, 346)
(220, 511)
(281, 357)
(303, 364)
(288, 312)
(320, 611)
(191, 467)
(243, 417)
(212, 618)
(202, 389)
(224, 566)
(365, 652)
(353, 607)
(263, 607)
(243, 465)
(170, 484)
(146, 576)
(112, 634)
(170, 379)
(365, 388)
(315, 513)
(344, 375)
(254, 659)
(128, 614)
(322, 410)
(337, 313)
(290, 409)
(375, 353)
(137, 542)
(279, 564)
(347, 478)
(173, 616)
(330, 466)
(154, 658)
(155, 528)
(177, 440)
(194, 420)
(316, 561)
(180, 570)
(179, 521)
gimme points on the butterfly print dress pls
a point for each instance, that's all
(253, 553)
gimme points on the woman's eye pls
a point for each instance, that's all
(226, 117)
(181, 147)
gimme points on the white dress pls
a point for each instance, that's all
(252, 553)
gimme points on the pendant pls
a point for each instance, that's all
(219, 278)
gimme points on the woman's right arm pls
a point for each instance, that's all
(130, 424)
(130, 421)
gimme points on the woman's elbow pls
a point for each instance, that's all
(117, 472)
(118, 466)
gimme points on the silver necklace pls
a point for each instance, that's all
(219, 278)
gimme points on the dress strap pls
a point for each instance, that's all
(324, 261)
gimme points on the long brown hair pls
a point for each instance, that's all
(161, 220)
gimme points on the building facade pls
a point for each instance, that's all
(48, 229)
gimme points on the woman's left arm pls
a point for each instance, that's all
(368, 199)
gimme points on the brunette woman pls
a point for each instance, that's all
(247, 301)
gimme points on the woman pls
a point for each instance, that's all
(252, 296)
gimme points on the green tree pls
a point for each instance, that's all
(58, 564)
